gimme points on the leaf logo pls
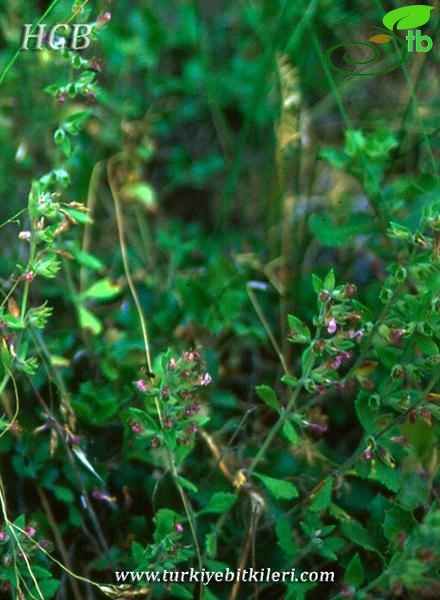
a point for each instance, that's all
(383, 38)
(408, 17)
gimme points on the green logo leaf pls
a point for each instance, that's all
(408, 17)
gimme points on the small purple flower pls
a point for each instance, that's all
(340, 386)
(178, 528)
(141, 385)
(172, 363)
(316, 427)
(337, 362)
(3, 536)
(99, 494)
(204, 379)
(358, 335)
(332, 325)
(155, 442)
(30, 531)
(367, 454)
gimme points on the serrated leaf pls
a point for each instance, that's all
(290, 433)
(357, 533)
(283, 530)
(299, 333)
(354, 573)
(407, 17)
(220, 502)
(322, 498)
(265, 393)
(284, 490)
(102, 290)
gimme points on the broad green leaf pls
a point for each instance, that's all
(279, 488)
(322, 498)
(268, 396)
(102, 290)
(354, 573)
(317, 283)
(220, 502)
(408, 17)
(290, 433)
(87, 320)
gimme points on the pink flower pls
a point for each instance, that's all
(24, 235)
(178, 528)
(172, 363)
(3, 536)
(141, 385)
(332, 325)
(30, 531)
(29, 276)
(136, 427)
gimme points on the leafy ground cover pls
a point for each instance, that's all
(220, 304)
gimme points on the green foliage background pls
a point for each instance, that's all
(199, 182)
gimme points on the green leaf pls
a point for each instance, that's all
(290, 433)
(63, 141)
(64, 494)
(330, 281)
(354, 573)
(211, 544)
(102, 290)
(188, 485)
(298, 332)
(137, 553)
(220, 502)
(143, 193)
(334, 234)
(87, 320)
(284, 490)
(408, 17)
(86, 259)
(355, 142)
(386, 475)
(290, 380)
(398, 520)
(283, 530)
(47, 266)
(357, 533)
(322, 498)
(317, 283)
(268, 396)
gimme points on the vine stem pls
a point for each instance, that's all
(121, 234)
